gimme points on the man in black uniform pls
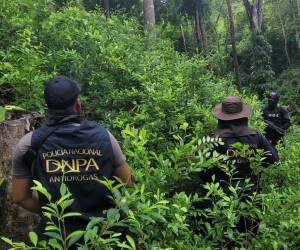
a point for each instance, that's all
(276, 118)
(232, 115)
(69, 150)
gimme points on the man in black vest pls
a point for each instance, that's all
(232, 115)
(276, 119)
(73, 151)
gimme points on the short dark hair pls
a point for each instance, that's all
(61, 92)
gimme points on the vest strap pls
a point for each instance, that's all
(31, 154)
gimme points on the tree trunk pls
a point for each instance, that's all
(200, 27)
(283, 34)
(15, 221)
(106, 8)
(203, 33)
(232, 38)
(197, 28)
(259, 10)
(298, 7)
(183, 38)
(254, 14)
(285, 43)
(195, 36)
(149, 17)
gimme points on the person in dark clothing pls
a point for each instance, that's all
(232, 115)
(75, 151)
(276, 119)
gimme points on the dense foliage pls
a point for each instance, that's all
(289, 85)
(158, 103)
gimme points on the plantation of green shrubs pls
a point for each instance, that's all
(158, 103)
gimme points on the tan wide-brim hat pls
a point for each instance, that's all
(231, 108)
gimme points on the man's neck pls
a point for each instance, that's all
(55, 117)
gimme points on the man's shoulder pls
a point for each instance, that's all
(92, 123)
(96, 127)
(282, 109)
(26, 138)
(255, 135)
(24, 143)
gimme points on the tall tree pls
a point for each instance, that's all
(197, 9)
(149, 16)
(200, 27)
(254, 13)
(183, 39)
(232, 38)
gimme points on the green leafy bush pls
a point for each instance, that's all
(281, 197)
(289, 89)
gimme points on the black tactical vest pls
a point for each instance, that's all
(276, 116)
(76, 155)
(242, 164)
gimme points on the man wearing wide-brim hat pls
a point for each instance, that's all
(233, 115)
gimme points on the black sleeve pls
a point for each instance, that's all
(271, 152)
(286, 122)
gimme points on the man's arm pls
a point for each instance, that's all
(271, 152)
(23, 195)
(21, 180)
(121, 168)
(123, 173)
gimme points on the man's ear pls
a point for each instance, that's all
(77, 104)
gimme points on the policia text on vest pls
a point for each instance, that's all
(86, 165)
